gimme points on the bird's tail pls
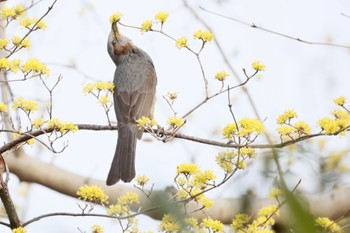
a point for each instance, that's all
(123, 164)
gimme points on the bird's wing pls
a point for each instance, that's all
(134, 97)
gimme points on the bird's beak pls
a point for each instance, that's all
(115, 29)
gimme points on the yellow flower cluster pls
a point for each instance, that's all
(187, 169)
(192, 181)
(13, 65)
(258, 66)
(122, 207)
(146, 123)
(340, 100)
(181, 42)
(161, 16)
(35, 66)
(26, 105)
(19, 230)
(97, 229)
(104, 99)
(213, 225)
(20, 42)
(169, 224)
(99, 86)
(115, 18)
(3, 43)
(328, 225)
(262, 224)
(146, 25)
(205, 36)
(221, 75)
(229, 161)
(63, 127)
(286, 116)
(93, 194)
(141, 180)
(172, 95)
(338, 124)
(246, 128)
(12, 13)
(176, 122)
(27, 22)
(37, 123)
(275, 193)
(289, 131)
(3, 107)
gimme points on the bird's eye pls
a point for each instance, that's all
(114, 42)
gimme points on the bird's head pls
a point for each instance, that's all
(118, 44)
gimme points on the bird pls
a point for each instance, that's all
(135, 82)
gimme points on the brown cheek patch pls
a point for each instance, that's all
(122, 50)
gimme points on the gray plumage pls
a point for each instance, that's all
(134, 96)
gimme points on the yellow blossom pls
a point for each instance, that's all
(7, 13)
(128, 198)
(161, 16)
(302, 127)
(181, 42)
(187, 168)
(342, 118)
(19, 10)
(192, 222)
(26, 22)
(240, 221)
(206, 202)
(92, 194)
(40, 24)
(98, 86)
(3, 107)
(15, 65)
(225, 160)
(35, 66)
(275, 193)
(258, 66)
(56, 124)
(202, 178)
(205, 36)
(146, 26)
(248, 151)
(328, 225)
(19, 230)
(329, 125)
(37, 123)
(286, 116)
(340, 100)
(248, 126)
(142, 180)
(3, 43)
(285, 130)
(4, 63)
(25, 105)
(146, 122)
(118, 209)
(114, 18)
(172, 95)
(268, 211)
(169, 224)
(221, 75)
(18, 42)
(214, 225)
(176, 121)
(97, 229)
(104, 99)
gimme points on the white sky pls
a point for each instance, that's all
(304, 77)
